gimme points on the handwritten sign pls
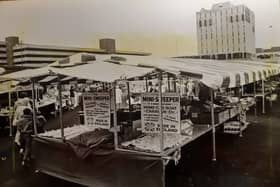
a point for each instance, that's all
(97, 109)
(150, 114)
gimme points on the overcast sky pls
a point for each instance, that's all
(164, 27)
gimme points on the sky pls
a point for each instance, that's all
(163, 27)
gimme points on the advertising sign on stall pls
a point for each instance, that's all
(97, 109)
(150, 114)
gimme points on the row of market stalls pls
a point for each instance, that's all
(145, 110)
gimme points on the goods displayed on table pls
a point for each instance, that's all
(232, 127)
(151, 142)
(247, 102)
(69, 132)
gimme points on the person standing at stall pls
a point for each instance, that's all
(22, 103)
(26, 129)
(118, 96)
(72, 97)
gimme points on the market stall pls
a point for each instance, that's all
(134, 126)
(120, 164)
(24, 76)
(160, 142)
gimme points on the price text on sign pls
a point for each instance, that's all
(97, 109)
(150, 113)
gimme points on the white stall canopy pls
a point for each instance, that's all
(103, 71)
(48, 79)
(26, 74)
(213, 73)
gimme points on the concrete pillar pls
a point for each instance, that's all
(109, 45)
(11, 41)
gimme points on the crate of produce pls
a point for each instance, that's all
(232, 127)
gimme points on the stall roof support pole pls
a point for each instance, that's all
(168, 82)
(213, 125)
(115, 117)
(160, 115)
(60, 110)
(34, 108)
(129, 103)
(256, 105)
(263, 98)
(10, 111)
(146, 84)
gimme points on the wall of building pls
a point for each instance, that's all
(3, 53)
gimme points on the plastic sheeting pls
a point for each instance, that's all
(102, 168)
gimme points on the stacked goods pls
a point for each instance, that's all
(187, 127)
(234, 111)
(247, 102)
(232, 127)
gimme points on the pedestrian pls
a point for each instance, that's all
(26, 128)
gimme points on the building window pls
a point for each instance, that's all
(242, 17)
(253, 28)
(205, 23)
(237, 18)
(247, 15)
(231, 19)
(200, 23)
(210, 22)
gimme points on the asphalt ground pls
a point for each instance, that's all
(249, 161)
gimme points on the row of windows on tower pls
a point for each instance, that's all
(209, 48)
(231, 19)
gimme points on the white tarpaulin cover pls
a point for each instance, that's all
(26, 74)
(103, 71)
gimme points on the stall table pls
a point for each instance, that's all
(102, 167)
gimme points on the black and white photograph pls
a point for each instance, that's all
(139, 93)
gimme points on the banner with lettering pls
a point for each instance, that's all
(97, 109)
(150, 116)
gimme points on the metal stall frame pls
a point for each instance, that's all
(174, 154)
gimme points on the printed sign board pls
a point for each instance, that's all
(150, 114)
(97, 109)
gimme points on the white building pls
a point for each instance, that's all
(226, 31)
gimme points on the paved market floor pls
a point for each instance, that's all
(250, 161)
